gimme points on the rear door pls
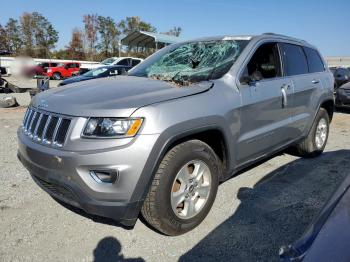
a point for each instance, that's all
(306, 85)
(265, 114)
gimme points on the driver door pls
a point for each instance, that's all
(266, 111)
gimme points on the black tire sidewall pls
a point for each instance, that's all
(187, 153)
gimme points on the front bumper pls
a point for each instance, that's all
(65, 175)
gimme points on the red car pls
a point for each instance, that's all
(38, 69)
(62, 70)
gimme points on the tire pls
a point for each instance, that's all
(159, 209)
(56, 76)
(309, 147)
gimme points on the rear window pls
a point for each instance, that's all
(294, 60)
(314, 60)
(135, 62)
(124, 62)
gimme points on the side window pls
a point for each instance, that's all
(124, 62)
(135, 62)
(265, 63)
(294, 60)
(314, 60)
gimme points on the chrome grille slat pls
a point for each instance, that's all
(56, 130)
(30, 115)
(31, 123)
(25, 118)
(37, 126)
(46, 128)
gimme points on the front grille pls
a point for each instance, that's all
(46, 128)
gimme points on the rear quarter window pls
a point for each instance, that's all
(294, 60)
(314, 60)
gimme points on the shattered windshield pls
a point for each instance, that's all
(191, 62)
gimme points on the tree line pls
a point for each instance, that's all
(34, 35)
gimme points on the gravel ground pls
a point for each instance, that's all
(254, 214)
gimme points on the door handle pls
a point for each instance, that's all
(284, 97)
(315, 81)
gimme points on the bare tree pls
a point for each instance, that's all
(90, 31)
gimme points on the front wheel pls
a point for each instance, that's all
(184, 188)
(314, 144)
(56, 76)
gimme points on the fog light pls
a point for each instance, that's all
(105, 175)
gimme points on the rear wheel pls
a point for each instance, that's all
(314, 144)
(184, 188)
(56, 76)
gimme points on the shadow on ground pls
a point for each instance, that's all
(275, 212)
(109, 249)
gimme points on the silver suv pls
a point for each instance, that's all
(160, 140)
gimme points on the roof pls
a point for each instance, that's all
(149, 39)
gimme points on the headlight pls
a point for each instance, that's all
(49, 70)
(112, 127)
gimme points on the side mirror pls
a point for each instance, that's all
(246, 80)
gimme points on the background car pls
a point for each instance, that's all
(105, 71)
(341, 76)
(123, 61)
(342, 95)
(38, 69)
(62, 70)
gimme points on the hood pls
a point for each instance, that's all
(74, 80)
(345, 86)
(113, 96)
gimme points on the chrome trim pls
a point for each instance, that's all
(58, 124)
(28, 124)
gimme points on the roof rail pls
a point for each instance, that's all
(269, 33)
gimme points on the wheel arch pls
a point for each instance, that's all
(171, 138)
(329, 106)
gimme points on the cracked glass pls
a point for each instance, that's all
(191, 62)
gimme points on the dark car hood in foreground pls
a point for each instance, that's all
(328, 237)
(114, 96)
(345, 86)
(75, 79)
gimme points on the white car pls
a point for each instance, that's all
(125, 61)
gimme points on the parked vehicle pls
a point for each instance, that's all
(191, 115)
(104, 71)
(341, 76)
(122, 61)
(62, 70)
(342, 95)
(328, 236)
(38, 69)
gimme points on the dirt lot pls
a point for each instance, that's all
(254, 214)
